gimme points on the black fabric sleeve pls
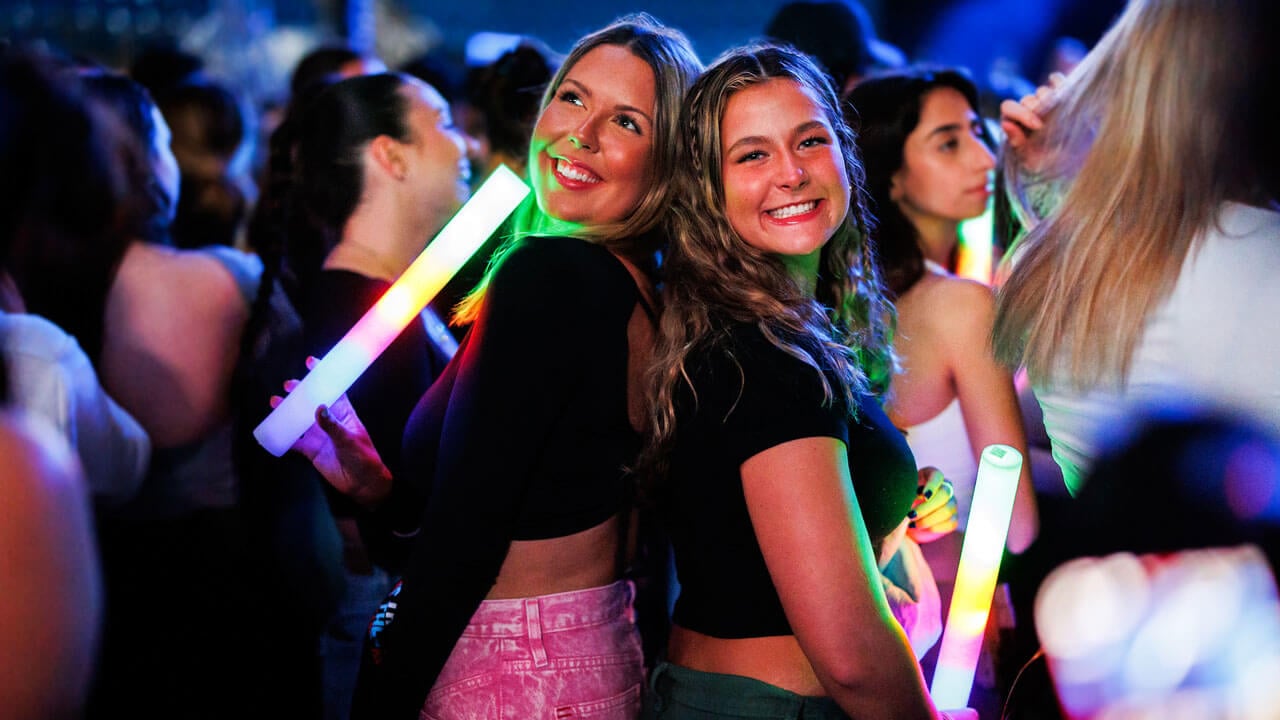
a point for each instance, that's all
(782, 399)
(513, 374)
(767, 397)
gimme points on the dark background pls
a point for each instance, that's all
(254, 42)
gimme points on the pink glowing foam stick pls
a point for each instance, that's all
(980, 557)
(363, 343)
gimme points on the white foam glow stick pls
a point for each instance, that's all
(977, 247)
(980, 556)
(365, 341)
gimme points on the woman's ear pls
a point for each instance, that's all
(388, 154)
(895, 186)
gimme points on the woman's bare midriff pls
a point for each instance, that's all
(777, 660)
(582, 560)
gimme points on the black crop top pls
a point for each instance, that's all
(525, 435)
(757, 398)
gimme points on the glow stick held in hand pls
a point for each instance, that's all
(980, 557)
(403, 301)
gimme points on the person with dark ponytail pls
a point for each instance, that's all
(361, 176)
(513, 482)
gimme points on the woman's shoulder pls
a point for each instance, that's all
(180, 274)
(945, 301)
(556, 252)
(744, 353)
(562, 267)
(1241, 238)
(944, 288)
(36, 337)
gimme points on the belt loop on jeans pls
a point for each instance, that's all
(533, 631)
(656, 678)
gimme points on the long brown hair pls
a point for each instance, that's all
(675, 65)
(1156, 128)
(714, 279)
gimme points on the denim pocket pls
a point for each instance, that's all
(474, 697)
(623, 706)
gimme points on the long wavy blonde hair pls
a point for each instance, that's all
(714, 279)
(675, 66)
(1159, 125)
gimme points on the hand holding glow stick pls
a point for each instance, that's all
(440, 261)
(980, 557)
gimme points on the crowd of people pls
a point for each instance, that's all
(694, 435)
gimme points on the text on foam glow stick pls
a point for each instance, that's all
(443, 257)
(980, 557)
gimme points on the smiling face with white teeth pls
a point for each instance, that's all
(786, 190)
(592, 146)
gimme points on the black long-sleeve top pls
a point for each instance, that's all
(524, 436)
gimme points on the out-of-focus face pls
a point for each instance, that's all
(786, 189)
(947, 171)
(165, 165)
(475, 130)
(439, 168)
(592, 147)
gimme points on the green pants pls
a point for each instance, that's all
(677, 693)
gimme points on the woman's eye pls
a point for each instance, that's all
(629, 123)
(814, 141)
(753, 155)
(570, 97)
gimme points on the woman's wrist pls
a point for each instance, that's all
(372, 493)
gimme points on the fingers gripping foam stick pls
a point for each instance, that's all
(980, 556)
(341, 366)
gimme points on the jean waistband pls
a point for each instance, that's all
(735, 696)
(517, 617)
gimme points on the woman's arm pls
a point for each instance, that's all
(988, 400)
(51, 605)
(113, 447)
(810, 530)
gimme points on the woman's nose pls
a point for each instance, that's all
(983, 158)
(583, 137)
(792, 175)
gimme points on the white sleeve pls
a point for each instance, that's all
(51, 378)
(113, 447)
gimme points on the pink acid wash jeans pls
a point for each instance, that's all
(568, 655)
